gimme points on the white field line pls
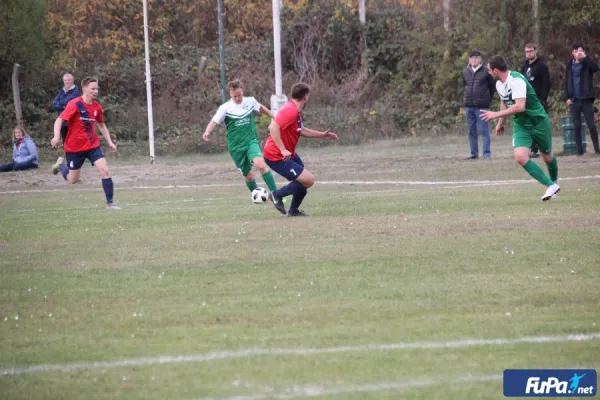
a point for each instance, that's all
(341, 183)
(296, 392)
(257, 352)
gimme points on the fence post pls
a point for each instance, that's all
(17, 93)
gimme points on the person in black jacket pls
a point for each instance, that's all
(537, 73)
(479, 89)
(580, 94)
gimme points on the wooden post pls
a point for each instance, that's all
(17, 93)
(362, 15)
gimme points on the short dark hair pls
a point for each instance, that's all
(235, 84)
(531, 46)
(577, 45)
(87, 81)
(498, 62)
(300, 90)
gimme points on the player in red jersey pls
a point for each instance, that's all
(280, 150)
(82, 114)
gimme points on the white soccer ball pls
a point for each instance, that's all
(260, 195)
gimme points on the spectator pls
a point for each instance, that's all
(65, 94)
(25, 154)
(580, 94)
(479, 89)
(536, 72)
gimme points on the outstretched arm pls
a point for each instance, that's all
(310, 133)
(516, 108)
(266, 111)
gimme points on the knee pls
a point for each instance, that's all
(309, 181)
(521, 160)
(104, 172)
(260, 164)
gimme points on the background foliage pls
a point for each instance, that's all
(412, 84)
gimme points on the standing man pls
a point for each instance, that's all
(280, 150)
(242, 141)
(537, 73)
(580, 94)
(67, 93)
(82, 113)
(530, 123)
(479, 90)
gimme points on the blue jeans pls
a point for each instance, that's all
(15, 166)
(474, 123)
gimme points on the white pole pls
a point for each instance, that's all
(278, 99)
(148, 84)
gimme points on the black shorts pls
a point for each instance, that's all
(76, 160)
(290, 169)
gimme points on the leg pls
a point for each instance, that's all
(576, 117)
(264, 170)
(96, 157)
(588, 113)
(522, 140)
(244, 165)
(7, 167)
(24, 166)
(472, 126)
(484, 128)
(542, 137)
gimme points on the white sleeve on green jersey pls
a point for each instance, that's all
(220, 114)
(519, 88)
(255, 104)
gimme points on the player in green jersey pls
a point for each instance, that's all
(242, 141)
(530, 123)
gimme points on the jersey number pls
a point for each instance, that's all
(293, 172)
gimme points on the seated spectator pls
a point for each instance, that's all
(25, 154)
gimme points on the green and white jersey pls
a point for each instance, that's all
(239, 119)
(517, 87)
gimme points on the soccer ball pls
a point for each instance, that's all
(260, 195)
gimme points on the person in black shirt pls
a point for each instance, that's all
(537, 73)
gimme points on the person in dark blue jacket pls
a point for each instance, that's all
(65, 94)
(25, 154)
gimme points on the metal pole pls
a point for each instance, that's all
(221, 48)
(148, 84)
(278, 99)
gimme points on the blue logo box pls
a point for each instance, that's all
(550, 382)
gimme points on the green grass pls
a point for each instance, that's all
(198, 270)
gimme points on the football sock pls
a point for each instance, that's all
(251, 185)
(553, 169)
(107, 185)
(291, 188)
(64, 170)
(297, 198)
(537, 173)
(270, 181)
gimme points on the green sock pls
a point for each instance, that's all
(537, 173)
(270, 181)
(251, 185)
(553, 169)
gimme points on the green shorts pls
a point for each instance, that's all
(540, 133)
(242, 158)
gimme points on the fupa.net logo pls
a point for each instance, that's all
(550, 382)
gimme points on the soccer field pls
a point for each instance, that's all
(418, 276)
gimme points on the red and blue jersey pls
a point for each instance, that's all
(82, 118)
(289, 119)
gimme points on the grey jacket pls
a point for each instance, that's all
(26, 152)
(479, 87)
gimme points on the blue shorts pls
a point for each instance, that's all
(290, 169)
(76, 160)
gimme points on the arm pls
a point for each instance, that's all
(591, 64)
(56, 104)
(56, 138)
(102, 127)
(545, 87)
(491, 86)
(516, 108)
(310, 133)
(275, 131)
(211, 126)
(566, 87)
(266, 111)
(33, 155)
